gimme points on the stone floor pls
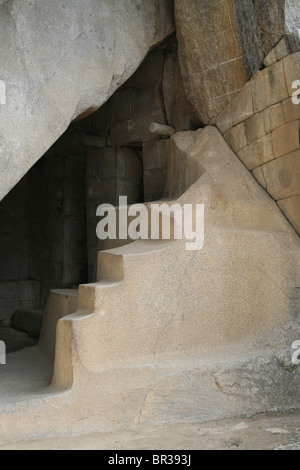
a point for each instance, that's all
(263, 432)
(269, 431)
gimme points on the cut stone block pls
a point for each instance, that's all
(224, 121)
(286, 139)
(254, 128)
(101, 190)
(291, 209)
(155, 154)
(146, 100)
(289, 44)
(29, 321)
(128, 164)
(154, 184)
(179, 111)
(16, 340)
(270, 59)
(92, 162)
(257, 153)
(269, 87)
(236, 137)
(273, 118)
(292, 71)
(282, 176)
(242, 105)
(291, 111)
(134, 131)
(130, 188)
(107, 162)
(258, 175)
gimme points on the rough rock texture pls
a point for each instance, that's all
(167, 334)
(262, 126)
(223, 43)
(179, 111)
(61, 59)
(292, 17)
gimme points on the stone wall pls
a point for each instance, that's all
(124, 158)
(43, 228)
(223, 43)
(262, 123)
(48, 221)
(111, 172)
(57, 215)
(16, 290)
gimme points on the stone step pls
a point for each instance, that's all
(29, 321)
(16, 340)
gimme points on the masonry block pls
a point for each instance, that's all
(291, 110)
(257, 153)
(254, 128)
(273, 117)
(283, 176)
(286, 139)
(236, 137)
(292, 71)
(269, 87)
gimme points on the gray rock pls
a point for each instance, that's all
(221, 47)
(62, 59)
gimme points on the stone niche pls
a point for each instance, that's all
(48, 221)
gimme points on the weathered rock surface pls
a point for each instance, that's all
(222, 44)
(168, 334)
(61, 59)
(179, 112)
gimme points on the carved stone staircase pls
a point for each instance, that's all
(168, 335)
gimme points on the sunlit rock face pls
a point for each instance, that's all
(63, 59)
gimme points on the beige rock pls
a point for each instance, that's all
(224, 120)
(292, 71)
(273, 117)
(291, 110)
(236, 137)
(270, 59)
(289, 44)
(179, 111)
(286, 139)
(269, 87)
(291, 209)
(258, 175)
(255, 128)
(155, 154)
(282, 176)
(161, 130)
(242, 105)
(138, 348)
(257, 153)
(155, 160)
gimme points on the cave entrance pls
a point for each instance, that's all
(48, 221)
